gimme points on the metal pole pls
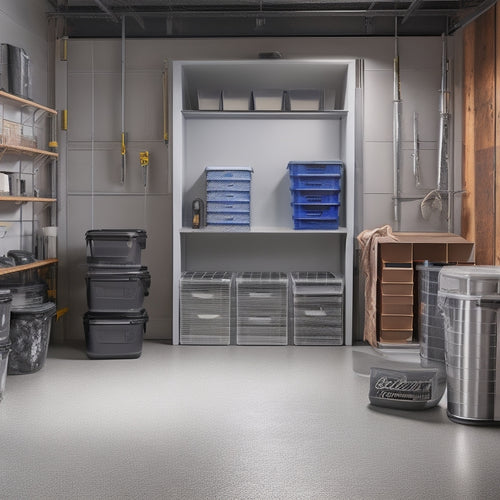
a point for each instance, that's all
(396, 133)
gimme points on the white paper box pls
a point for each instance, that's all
(268, 100)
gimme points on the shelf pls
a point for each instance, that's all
(27, 151)
(26, 267)
(23, 199)
(263, 230)
(27, 102)
(283, 115)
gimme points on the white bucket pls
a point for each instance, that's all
(50, 242)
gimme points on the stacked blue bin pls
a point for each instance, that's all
(228, 198)
(316, 188)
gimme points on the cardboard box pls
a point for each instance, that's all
(404, 309)
(396, 289)
(397, 274)
(396, 336)
(434, 247)
(396, 322)
(396, 252)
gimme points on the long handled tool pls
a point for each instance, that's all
(416, 152)
(438, 199)
(396, 134)
(123, 133)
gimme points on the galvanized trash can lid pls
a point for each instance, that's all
(471, 281)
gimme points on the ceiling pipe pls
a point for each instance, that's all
(107, 10)
(267, 13)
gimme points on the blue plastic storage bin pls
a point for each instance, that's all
(228, 185)
(316, 223)
(315, 196)
(306, 211)
(319, 181)
(228, 218)
(228, 206)
(315, 168)
(228, 173)
(228, 196)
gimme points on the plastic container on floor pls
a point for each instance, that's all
(205, 307)
(112, 335)
(115, 246)
(469, 297)
(5, 305)
(30, 333)
(117, 290)
(4, 359)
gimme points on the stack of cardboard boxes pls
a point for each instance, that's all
(397, 307)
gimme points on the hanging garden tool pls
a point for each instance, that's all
(123, 133)
(416, 152)
(396, 132)
(438, 199)
(144, 159)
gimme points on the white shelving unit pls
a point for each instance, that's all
(265, 141)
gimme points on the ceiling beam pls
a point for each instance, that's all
(411, 9)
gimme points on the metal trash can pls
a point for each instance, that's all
(469, 297)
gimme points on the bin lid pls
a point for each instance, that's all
(21, 256)
(44, 309)
(469, 280)
(5, 295)
(112, 317)
(118, 272)
(115, 234)
(7, 261)
(246, 169)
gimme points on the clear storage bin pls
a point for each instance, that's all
(30, 333)
(4, 359)
(5, 305)
(205, 307)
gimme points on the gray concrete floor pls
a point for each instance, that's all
(186, 422)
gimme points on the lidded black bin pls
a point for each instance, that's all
(116, 286)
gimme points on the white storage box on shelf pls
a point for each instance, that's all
(305, 99)
(209, 100)
(236, 100)
(205, 307)
(318, 308)
(469, 297)
(262, 308)
(267, 100)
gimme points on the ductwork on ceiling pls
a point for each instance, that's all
(224, 18)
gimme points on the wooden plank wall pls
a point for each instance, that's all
(481, 136)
